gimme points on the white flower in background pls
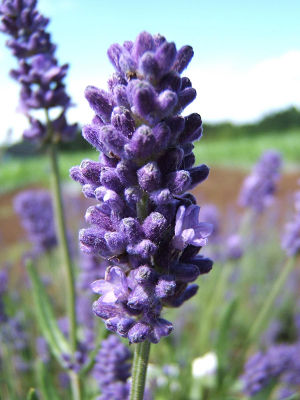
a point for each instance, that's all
(205, 366)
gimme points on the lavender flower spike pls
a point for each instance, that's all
(259, 187)
(112, 369)
(144, 224)
(35, 210)
(38, 72)
(291, 238)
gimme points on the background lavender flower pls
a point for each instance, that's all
(34, 208)
(280, 363)
(291, 238)
(112, 369)
(258, 189)
(38, 72)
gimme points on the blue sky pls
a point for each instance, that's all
(247, 53)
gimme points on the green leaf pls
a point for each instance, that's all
(45, 315)
(45, 382)
(223, 339)
(32, 394)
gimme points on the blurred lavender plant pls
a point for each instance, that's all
(279, 364)
(112, 369)
(39, 74)
(258, 189)
(223, 246)
(291, 238)
(145, 224)
(34, 208)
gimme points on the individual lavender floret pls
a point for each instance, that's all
(188, 230)
(145, 224)
(291, 238)
(258, 189)
(38, 72)
(34, 208)
(112, 369)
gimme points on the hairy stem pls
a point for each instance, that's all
(139, 370)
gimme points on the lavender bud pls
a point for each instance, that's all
(132, 230)
(142, 143)
(122, 120)
(99, 101)
(149, 177)
(185, 272)
(138, 333)
(165, 56)
(204, 264)
(154, 226)
(91, 133)
(110, 179)
(165, 287)
(198, 174)
(178, 181)
(186, 96)
(183, 57)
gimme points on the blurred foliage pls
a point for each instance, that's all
(279, 122)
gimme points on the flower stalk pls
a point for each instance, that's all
(265, 311)
(139, 370)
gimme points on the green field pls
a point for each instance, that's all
(242, 152)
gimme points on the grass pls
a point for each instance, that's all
(241, 152)
(244, 151)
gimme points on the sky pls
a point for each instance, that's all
(246, 62)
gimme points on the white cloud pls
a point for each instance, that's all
(244, 94)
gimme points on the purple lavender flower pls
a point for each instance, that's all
(291, 238)
(34, 207)
(38, 72)
(258, 189)
(234, 249)
(188, 230)
(145, 223)
(279, 362)
(112, 369)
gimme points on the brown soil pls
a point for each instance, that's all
(221, 188)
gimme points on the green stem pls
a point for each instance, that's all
(65, 252)
(76, 386)
(139, 370)
(66, 258)
(266, 309)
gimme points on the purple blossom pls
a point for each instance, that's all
(291, 238)
(188, 229)
(234, 249)
(280, 363)
(144, 222)
(38, 72)
(112, 369)
(34, 208)
(258, 189)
